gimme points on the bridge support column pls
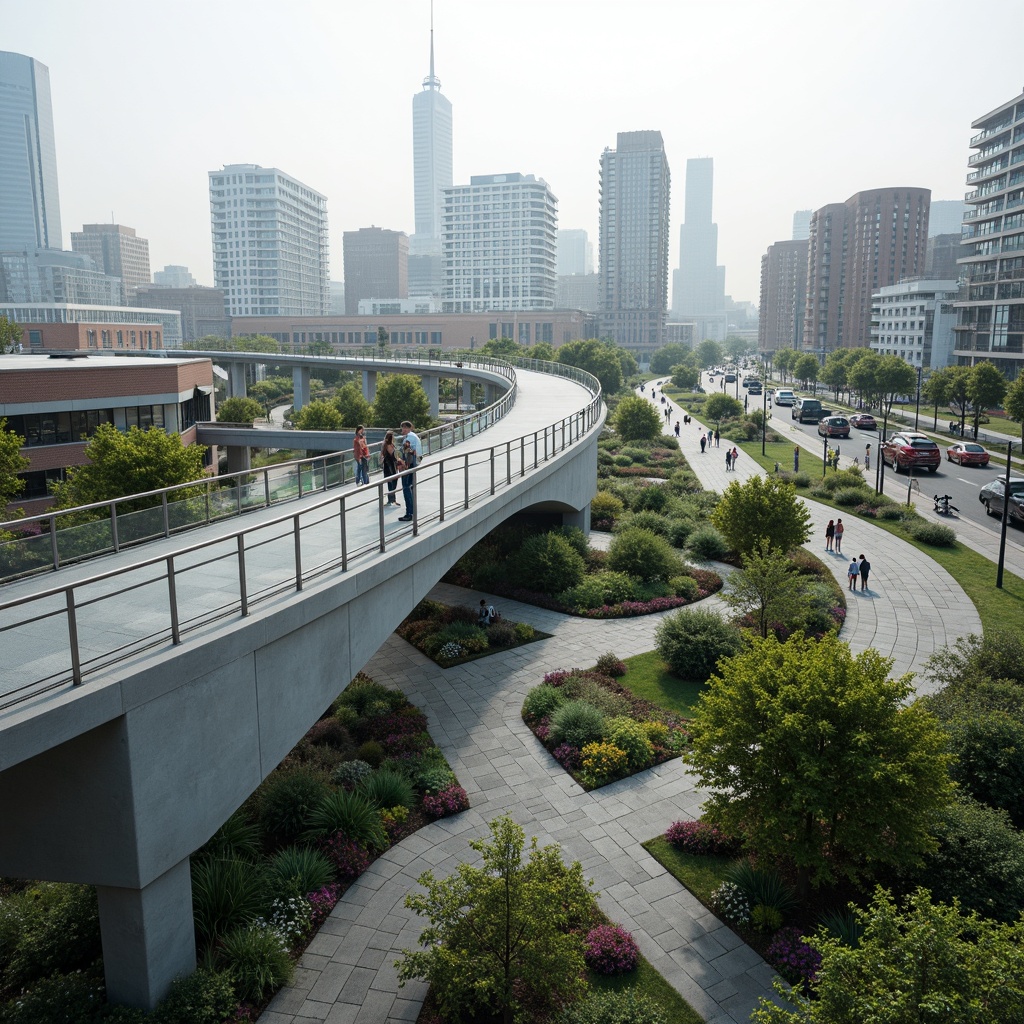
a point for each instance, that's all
(467, 394)
(239, 458)
(300, 387)
(236, 380)
(148, 937)
(430, 386)
(370, 385)
(580, 519)
(490, 394)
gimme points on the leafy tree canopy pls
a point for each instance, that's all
(685, 375)
(721, 406)
(600, 358)
(636, 419)
(502, 348)
(668, 356)
(10, 335)
(317, 415)
(762, 509)
(768, 588)
(239, 410)
(542, 350)
(709, 353)
(1014, 403)
(736, 347)
(352, 406)
(806, 368)
(12, 462)
(986, 388)
(400, 396)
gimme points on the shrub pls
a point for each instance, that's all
(258, 960)
(346, 715)
(347, 858)
(363, 691)
(350, 773)
(692, 641)
(988, 746)
(524, 632)
(448, 801)
(685, 586)
(765, 918)
(763, 887)
(631, 737)
(577, 539)
(577, 723)
(936, 534)
(471, 639)
(541, 702)
(625, 1006)
(321, 903)
(642, 554)
(610, 949)
(701, 838)
(203, 997)
(732, 903)
(657, 733)
(501, 634)
(350, 813)
(237, 837)
(801, 480)
(371, 752)
(648, 498)
(299, 869)
(797, 962)
(386, 788)
(290, 917)
(679, 532)
(605, 505)
(638, 455)
(653, 522)
(74, 997)
(330, 732)
(707, 544)
(226, 893)
(568, 756)
(593, 688)
(849, 497)
(603, 761)
(892, 513)
(608, 664)
(285, 802)
(432, 778)
(622, 460)
(548, 563)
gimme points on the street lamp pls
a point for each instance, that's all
(824, 456)
(764, 414)
(1006, 515)
(917, 407)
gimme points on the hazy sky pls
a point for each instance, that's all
(800, 102)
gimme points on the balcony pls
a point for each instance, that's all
(984, 155)
(994, 130)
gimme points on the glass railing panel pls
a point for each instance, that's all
(253, 494)
(285, 485)
(25, 554)
(144, 524)
(85, 540)
(187, 511)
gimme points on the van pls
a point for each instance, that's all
(785, 397)
(807, 410)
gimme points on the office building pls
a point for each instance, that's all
(575, 253)
(337, 302)
(802, 225)
(634, 242)
(173, 277)
(270, 254)
(201, 309)
(432, 174)
(499, 244)
(990, 311)
(29, 204)
(376, 266)
(783, 296)
(914, 320)
(874, 239)
(698, 286)
(168, 320)
(53, 275)
(118, 252)
(579, 291)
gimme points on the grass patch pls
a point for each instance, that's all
(647, 981)
(702, 875)
(648, 677)
(998, 609)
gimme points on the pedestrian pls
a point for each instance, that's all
(830, 534)
(718, 437)
(361, 456)
(728, 460)
(852, 572)
(677, 428)
(703, 443)
(487, 614)
(735, 457)
(409, 461)
(865, 568)
(389, 463)
(840, 529)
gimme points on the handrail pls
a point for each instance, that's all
(337, 536)
(42, 552)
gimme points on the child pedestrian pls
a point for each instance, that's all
(840, 529)
(830, 534)
(852, 572)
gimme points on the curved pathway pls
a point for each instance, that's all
(347, 973)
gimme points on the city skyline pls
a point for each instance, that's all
(790, 123)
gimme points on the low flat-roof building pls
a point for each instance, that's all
(91, 337)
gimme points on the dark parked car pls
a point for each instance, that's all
(862, 421)
(967, 453)
(730, 378)
(906, 450)
(993, 497)
(834, 426)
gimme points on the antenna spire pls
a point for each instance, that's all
(432, 81)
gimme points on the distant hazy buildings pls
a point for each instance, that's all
(270, 253)
(337, 302)
(579, 291)
(946, 217)
(173, 277)
(376, 266)
(118, 252)
(201, 309)
(944, 252)
(914, 320)
(990, 313)
(698, 286)
(783, 296)
(432, 174)
(53, 275)
(169, 320)
(575, 253)
(874, 239)
(634, 241)
(29, 203)
(499, 244)
(802, 225)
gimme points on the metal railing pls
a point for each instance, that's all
(104, 619)
(49, 540)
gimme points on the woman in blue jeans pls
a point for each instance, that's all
(361, 456)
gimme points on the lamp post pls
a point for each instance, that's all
(917, 407)
(764, 414)
(1006, 515)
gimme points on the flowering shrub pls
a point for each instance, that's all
(603, 761)
(290, 917)
(609, 665)
(700, 838)
(450, 651)
(568, 756)
(394, 820)
(542, 730)
(631, 737)
(448, 801)
(792, 957)
(657, 733)
(321, 903)
(347, 857)
(731, 903)
(394, 723)
(610, 949)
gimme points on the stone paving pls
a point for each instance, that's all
(347, 974)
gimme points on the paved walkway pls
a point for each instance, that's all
(347, 974)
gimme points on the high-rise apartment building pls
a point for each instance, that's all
(802, 225)
(634, 240)
(874, 239)
(499, 244)
(914, 320)
(432, 174)
(119, 252)
(990, 310)
(270, 254)
(575, 253)
(946, 217)
(376, 266)
(783, 296)
(29, 204)
(698, 286)
(173, 276)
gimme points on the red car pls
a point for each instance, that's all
(908, 450)
(967, 454)
(862, 421)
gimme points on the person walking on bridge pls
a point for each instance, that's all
(410, 460)
(361, 456)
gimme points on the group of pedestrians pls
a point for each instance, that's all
(859, 568)
(393, 460)
(731, 457)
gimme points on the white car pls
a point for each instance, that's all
(784, 396)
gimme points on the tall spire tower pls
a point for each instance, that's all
(432, 173)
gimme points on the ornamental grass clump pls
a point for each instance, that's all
(258, 960)
(351, 813)
(299, 869)
(610, 949)
(578, 723)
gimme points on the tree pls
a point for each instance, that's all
(10, 336)
(685, 376)
(959, 391)
(806, 368)
(597, 357)
(502, 348)
(320, 347)
(810, 755)
(239, 410)
(936, 390)
(400, 396)
(1014, 403)
(255, 343)
(721, 406)
(382, 338)
(12, 462)
(132, 463)
(542, 350)
(627, 363)
(352, 406)
(986, 387)
(637, 420)
(498, 938)
(668, 356)
(768, 588)
(926, 962)
(784, 360)
(834, 372)
(317, 415)
(709, 353)
(762, 509)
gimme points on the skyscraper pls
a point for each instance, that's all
(575, 253)
(634, 235)
(698, 286)
(270, 255)
(119, 252)
(29, 204)
(432, 174)
(801, 225)
(376, 266)
(783, 283)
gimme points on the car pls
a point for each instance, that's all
(754, 389)
(967, 453)
(992, 496)
(806, 410)
(907, 450)
(834, 426)
(862, 421)
(730, 378)
(784, 396)
(749, 382)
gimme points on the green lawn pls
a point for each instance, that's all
(650, 679)
(701, 875)
(998, 609)
(646, 980)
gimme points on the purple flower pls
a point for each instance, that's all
(348, 858)
(699, 837)
(568, 756)
(610, 949)
(447, 801)
(322, 903)
(793, 958)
